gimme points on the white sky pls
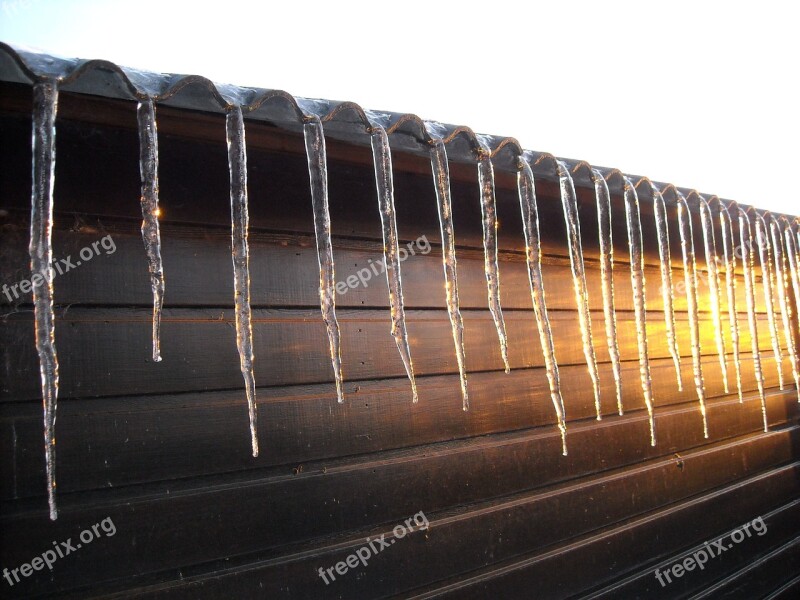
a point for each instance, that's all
(701, 94)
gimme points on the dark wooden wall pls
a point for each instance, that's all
(163, 449)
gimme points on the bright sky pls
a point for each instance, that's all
(701, 94)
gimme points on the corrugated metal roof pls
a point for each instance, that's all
(345, 121)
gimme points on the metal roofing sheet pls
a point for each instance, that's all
(345, 121)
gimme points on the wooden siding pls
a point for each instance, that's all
(163, 449)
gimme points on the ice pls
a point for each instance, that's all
(569, 203)
(782, 282)
(634, 226)
(382, 158)
(768, 286)
(690, 281)
(441, 181)
(746, 241)
(729, 255)
(662, 233)
(794, 270)
(237, 163)
(318, 176)
(710, 247)
(533, 253)
(45, 105)
(603, 199)
(148, 169)
(489, 218)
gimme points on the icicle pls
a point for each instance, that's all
(794, 265)
(662, 232)
(441, 180)
(795, 244)
(783, 284)
(710, 246)
(728, 249)
(634, 225)
(797, 240)
(382, 158)
(767, 284)
(237, 163)
(569, 203)
(603, 199)
(489, 216)
(794, 269)
(746, 241)
(45, 105)
(318, 177)
(148, 170)
(690, 281)
(533, 253)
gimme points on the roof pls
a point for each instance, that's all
(345, 121)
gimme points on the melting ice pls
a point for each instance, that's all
(603, 201)
(533, 254)
(240, 251)
(148, 169)
(441, 181)
(634, 226)
(382, 158)
(45, 104)
(569, 203)
(318, 177)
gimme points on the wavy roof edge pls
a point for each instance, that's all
(345, 121)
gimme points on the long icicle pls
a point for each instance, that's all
(767, 285)
(151, 235)
(746, 241)
(533, 254)
(441, 180)
(603, 200)
(318, 177)
(728, 249)
(794, 270)
(45, 106)
(634, 226)
(796, 234)
(797, 239)
(690, 281)
(794, 263)
(710, 247)
(489, 219)
(662, 233)
(382, 158)
(782, 282)
(569, 203)
(240, 252)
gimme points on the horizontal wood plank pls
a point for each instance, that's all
(284, 272)
(122, 441)
(107, 351)
(463, 541)
(596, 558)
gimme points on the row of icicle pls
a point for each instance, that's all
(777, 243)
